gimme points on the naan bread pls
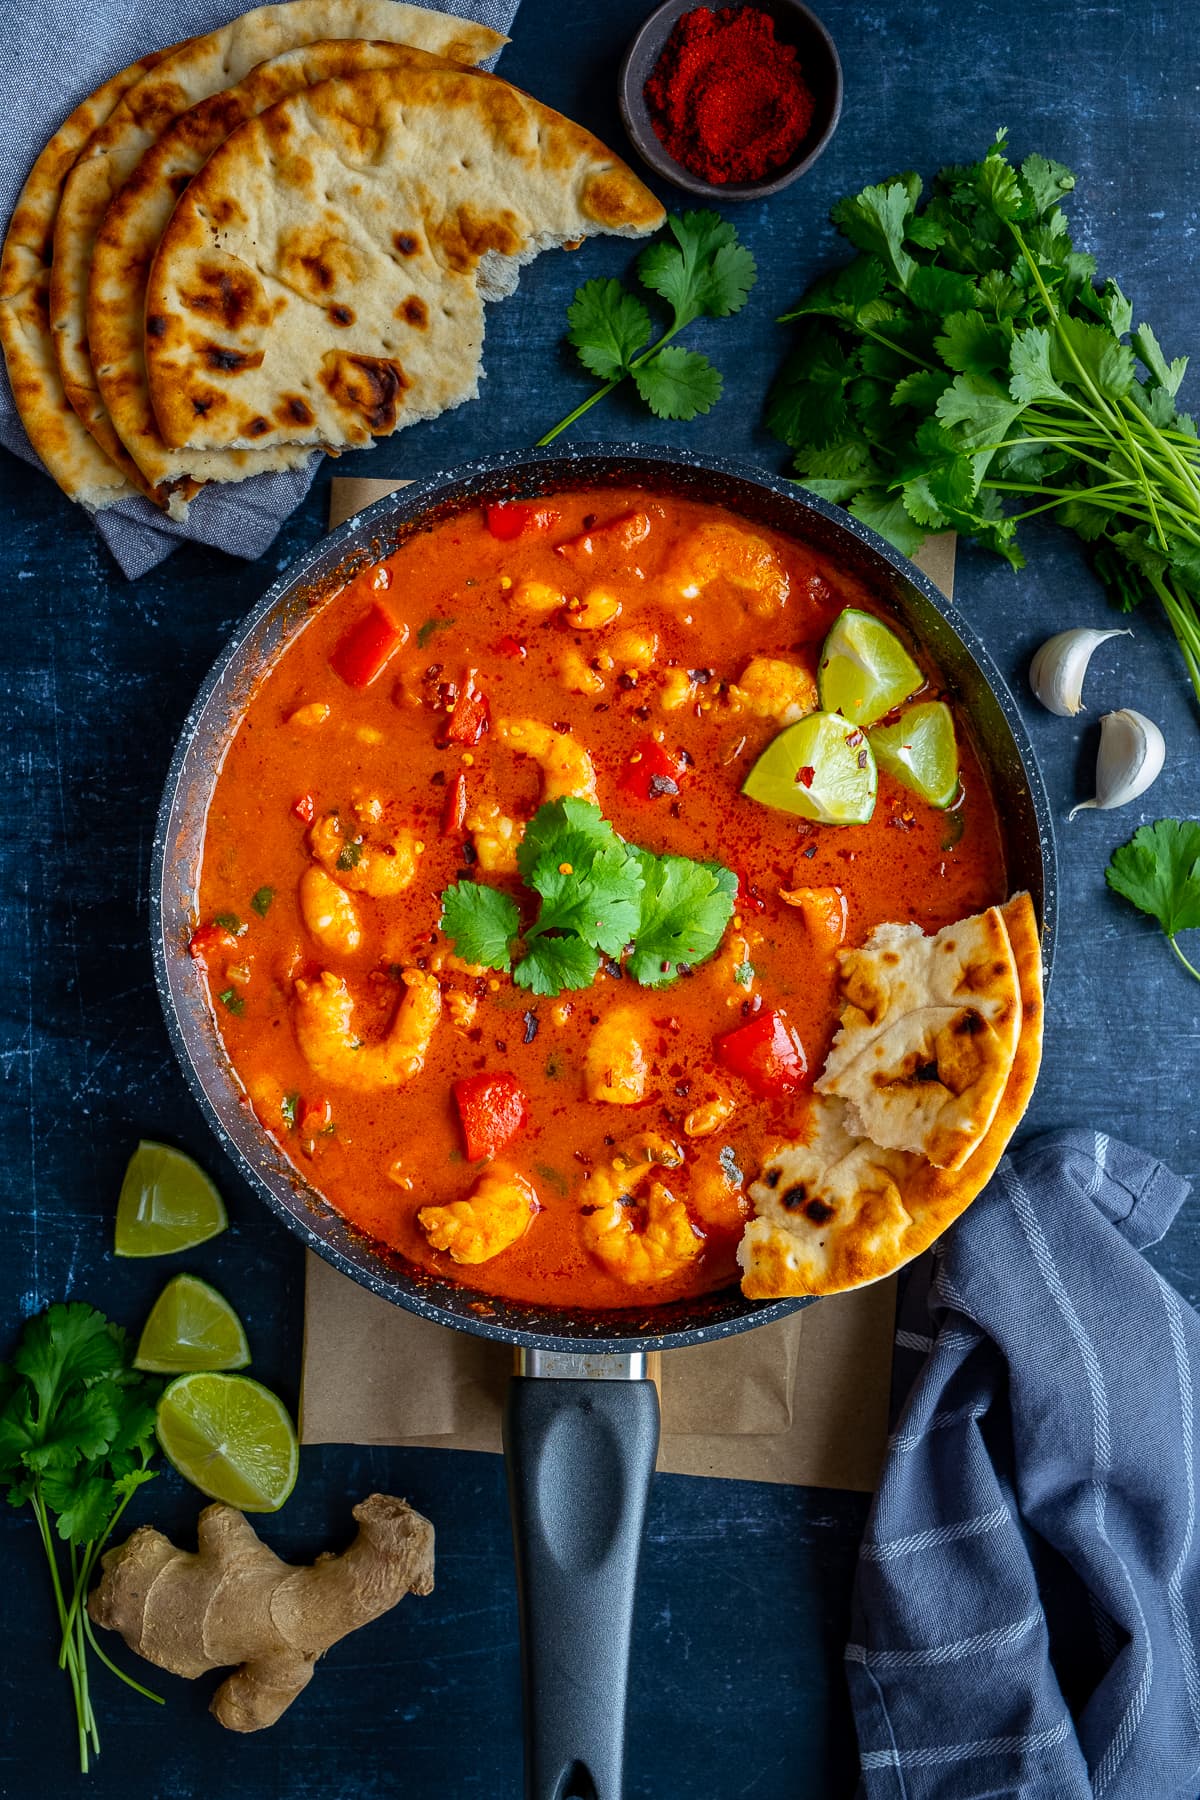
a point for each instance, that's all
(836, 1211)
(322, 279)
(189, 74)
(79, 466)
(928, 1034)
(129, 237)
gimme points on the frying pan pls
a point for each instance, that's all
(581, 1418)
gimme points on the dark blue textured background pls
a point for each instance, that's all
(737, 1690)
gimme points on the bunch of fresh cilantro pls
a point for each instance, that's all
(1158, 871)
(704, 273)
(966, 371)
(76, 1439)
(597, 897)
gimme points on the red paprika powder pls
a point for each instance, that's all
(726, 97)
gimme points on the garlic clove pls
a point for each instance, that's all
(1058, 668)
(1132, 751)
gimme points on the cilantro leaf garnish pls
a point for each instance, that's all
(482, 921)
(1158, 871)
(705, 271)
(261, 900)
(594, 893)
(679, 383)
(596, 896)
(76, 1439)
(967, 369)
(608, 326)
(685, 908)
(426, 631)
(553, 963)
(701, 271)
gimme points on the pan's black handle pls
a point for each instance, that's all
(580, 1455)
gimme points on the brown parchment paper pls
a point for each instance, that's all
(802, 1402)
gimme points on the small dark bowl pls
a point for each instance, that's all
(819, 63)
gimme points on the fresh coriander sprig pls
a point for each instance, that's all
(597, 896)
(704, 273)
(1158, 871)
(966, 372)
(76, 1438)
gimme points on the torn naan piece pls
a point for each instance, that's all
(928, 1034)
(129, 237)
(82, 470)
(834, 1211)
(322, 278)
(183, 77)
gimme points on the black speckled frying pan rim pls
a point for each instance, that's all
(195, 763)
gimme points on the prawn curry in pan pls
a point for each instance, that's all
(601, 899)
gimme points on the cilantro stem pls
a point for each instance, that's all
(584, 406)
(602, 393)
(1190, 967)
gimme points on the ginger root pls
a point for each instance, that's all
(235, 1601)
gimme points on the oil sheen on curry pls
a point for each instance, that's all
(506, 961)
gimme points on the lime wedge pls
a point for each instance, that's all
(821, 768)
(230, 1437)
(920, 750)
(191, 1326)
(167, 1203)
(865, 669)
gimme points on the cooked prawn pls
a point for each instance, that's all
(324, 1021)
(614, 1064)
(499, 1209)
(567, 771)
(381, 865)
(328, 912)
(716, 551)
(639, 1243)
(495, 836)
(775, 689)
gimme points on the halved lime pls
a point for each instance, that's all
(230, 1437)
(920, 750)
(821, 768)
(191, 1326)
(865, 669)
(167, 1203)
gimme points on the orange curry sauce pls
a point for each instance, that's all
(310, 744)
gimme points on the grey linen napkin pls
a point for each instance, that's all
(1026, 1617)
(63, 50)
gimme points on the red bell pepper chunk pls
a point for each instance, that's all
(364, 651)
(509, 519)
(766, 1052)
(618, 535)
(305, 809)
(651, 771)
(454, 807)
(492, 1110)
(207, 939)
(469, 720)
(314, 1116)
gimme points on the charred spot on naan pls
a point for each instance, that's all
(618, 201)
(224, 360)
(316, 260)
(460, 241)
(414, 312)
(230, 292)
(371, 388)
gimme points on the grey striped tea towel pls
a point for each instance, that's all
(1027, 1605)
